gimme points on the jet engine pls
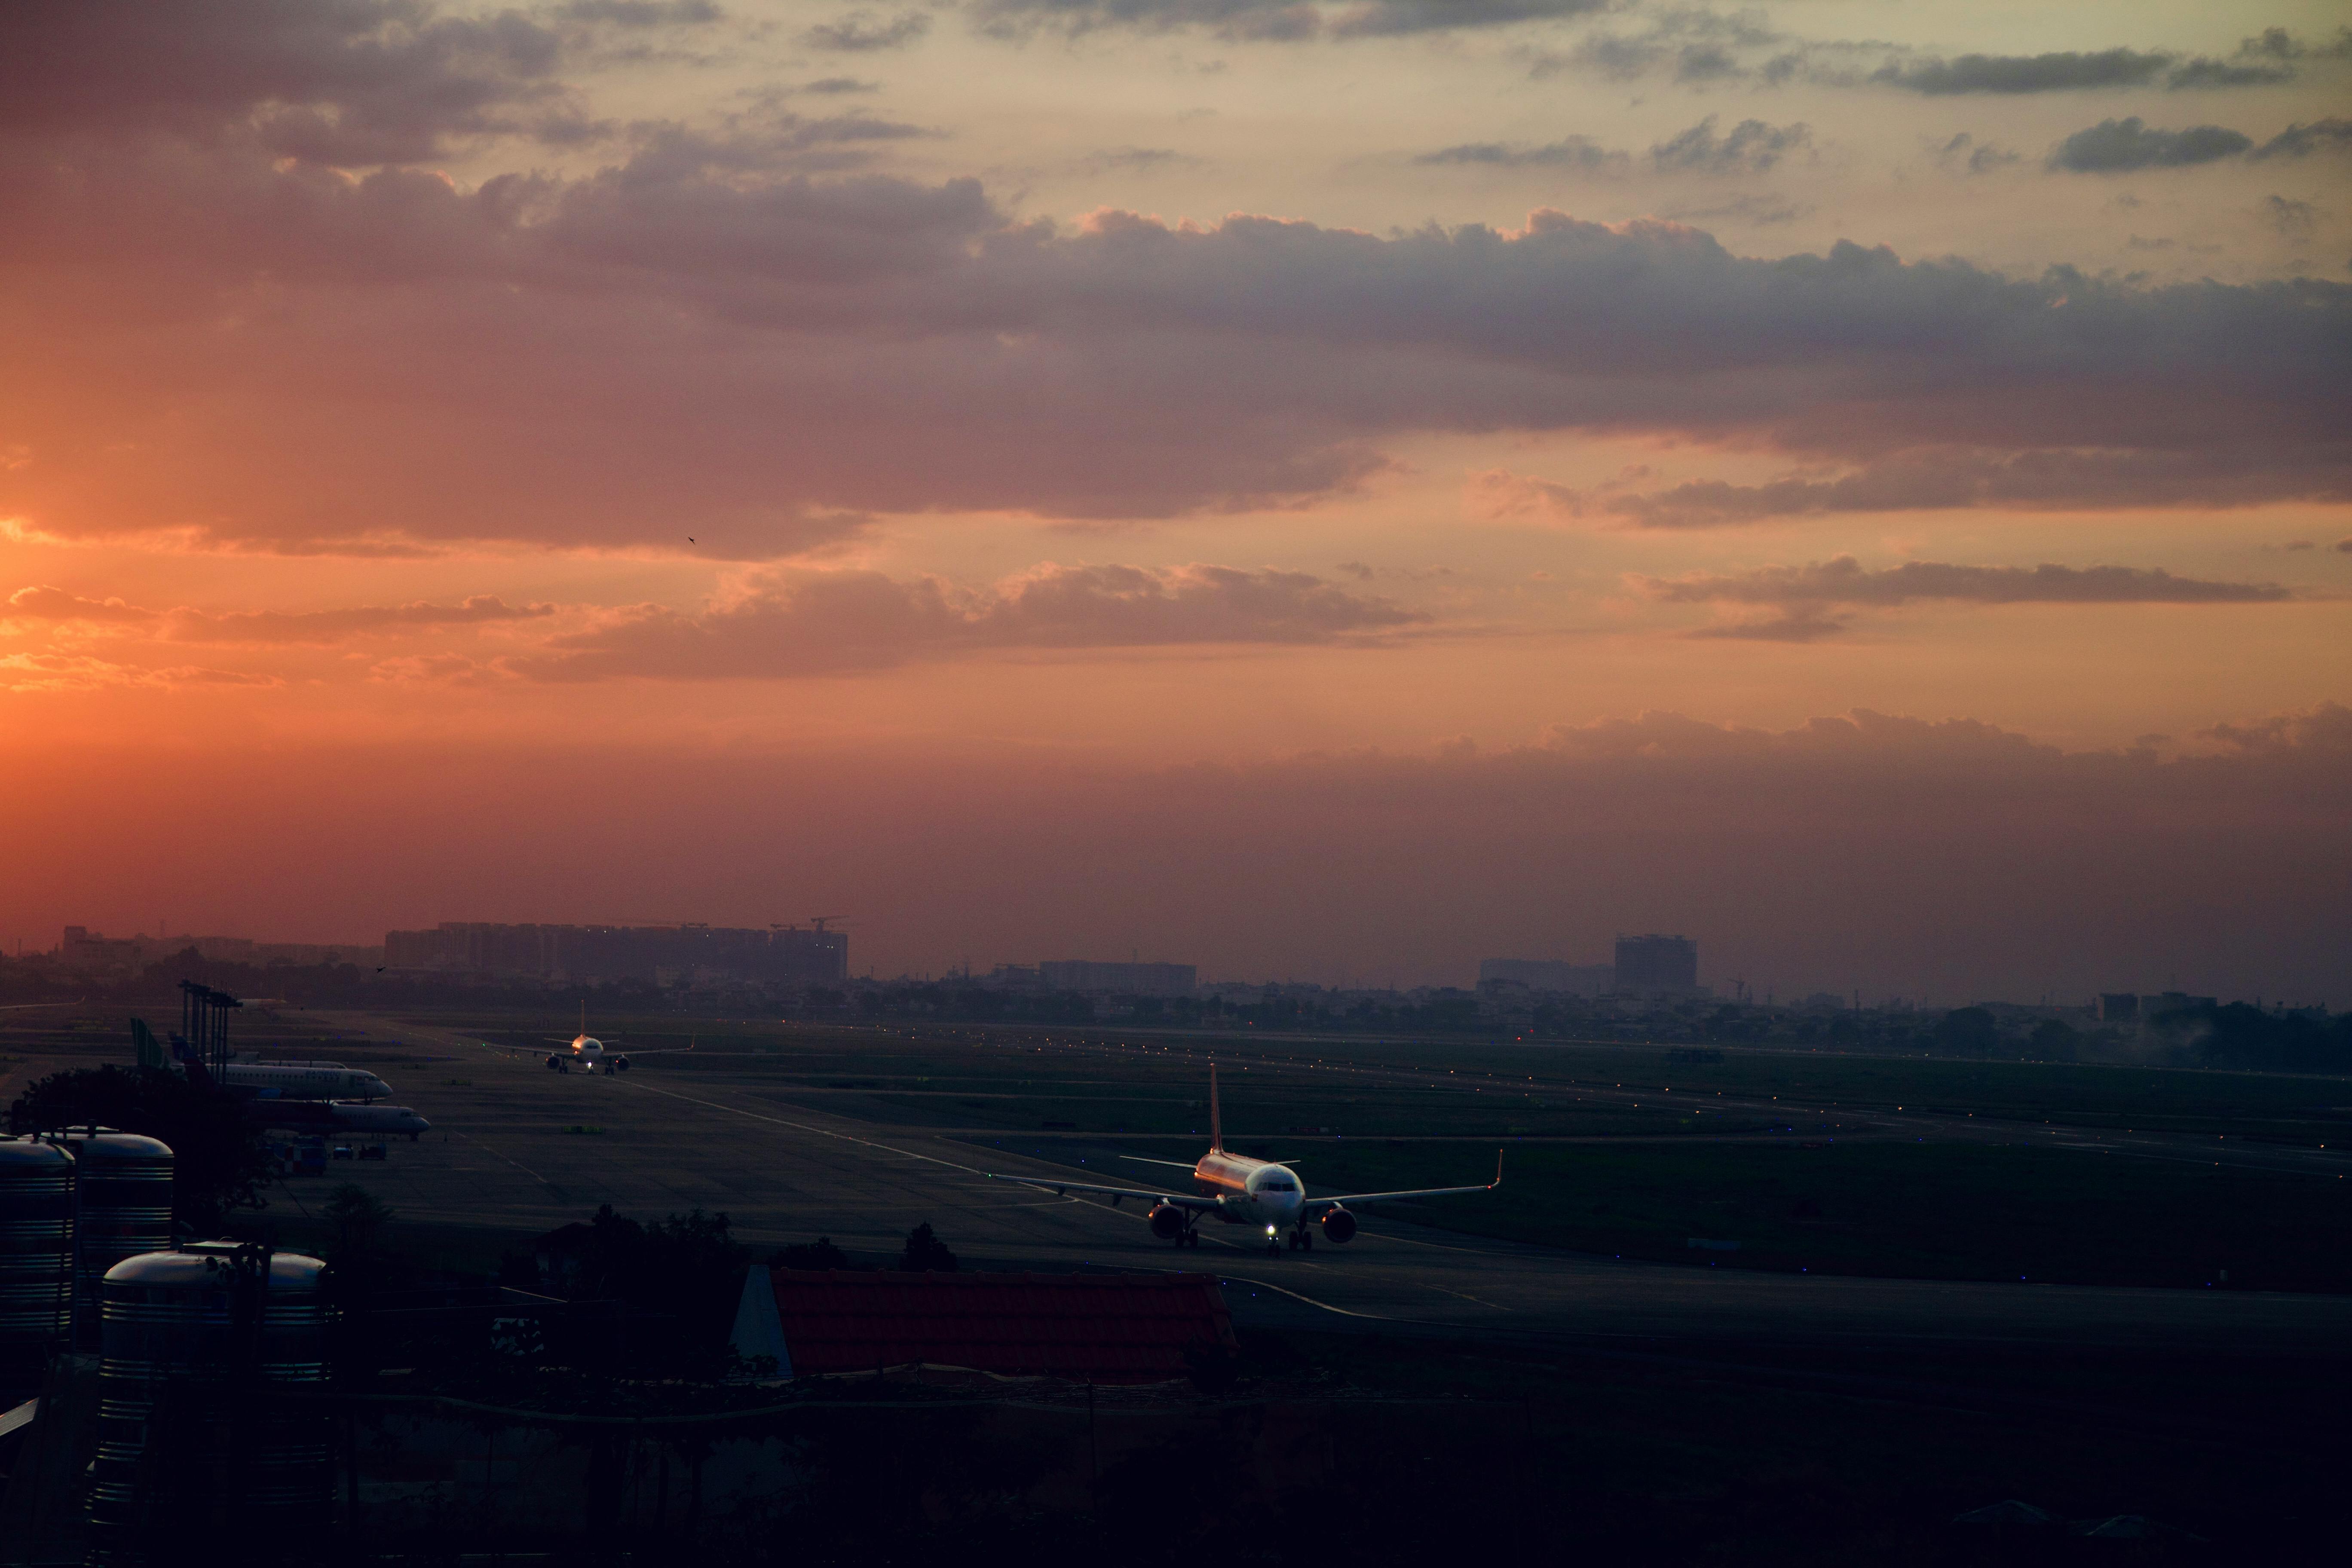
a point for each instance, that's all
(555, 1064)
(620, 1064)
(1167, 1221)
(1339, 1225)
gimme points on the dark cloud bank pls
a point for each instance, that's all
(706, 337)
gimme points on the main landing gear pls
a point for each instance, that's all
(1302, 1240)
(1188, 1239)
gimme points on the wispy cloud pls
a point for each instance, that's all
(831, 623)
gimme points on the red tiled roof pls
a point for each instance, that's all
(1106, 1328)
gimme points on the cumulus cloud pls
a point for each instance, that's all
(52, 606)
(1687, 44)
(2117, 146)
(861, 32)
(1275, 21)
(2294, 219)
(1749, 147)
(44, 602)
(641, 13)
(1940, 479)
(2071, 71)
(1964, 152)
(63, 672)
(1569, 153)
(355, 81)
(2228, 73)
(2299, 141)
(1805, 601)
(839, 622)
(1843, 579)
(2058, 72)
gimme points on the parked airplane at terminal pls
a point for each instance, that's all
(336, 1116)
(301, 1080)
(1238, 1190)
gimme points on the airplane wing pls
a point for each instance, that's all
(1337, 1198)
(1181, 1200)
(36, 1006)
(659, 1051)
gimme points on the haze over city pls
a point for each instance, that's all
(1332, 492)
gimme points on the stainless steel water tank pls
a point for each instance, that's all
(36, 1249)
(189, 1433)
(123, 1206)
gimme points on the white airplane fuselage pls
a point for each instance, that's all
(1250, 1192)
(304, 1082)
(587, 1051)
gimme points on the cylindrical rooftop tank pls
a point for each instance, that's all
(36, 1249)
(190, 1435)
(123, 1206)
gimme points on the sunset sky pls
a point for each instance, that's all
(1331, 491)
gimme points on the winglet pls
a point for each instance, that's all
(1498, 1171)
(1216, 1127)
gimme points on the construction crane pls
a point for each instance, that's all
(818, 921)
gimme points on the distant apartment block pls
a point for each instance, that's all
(1120, 979)
(1657, 965)
(659, 955)
(2119, 1007)
(1551, 975)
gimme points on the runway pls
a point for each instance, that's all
(500, 1157)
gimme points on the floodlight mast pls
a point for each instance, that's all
(203, 1024)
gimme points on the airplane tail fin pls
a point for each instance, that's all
(1216, 1125)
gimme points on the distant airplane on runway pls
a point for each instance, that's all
(589, 1053)
(1238, 1190)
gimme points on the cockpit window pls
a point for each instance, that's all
(1278, 1185)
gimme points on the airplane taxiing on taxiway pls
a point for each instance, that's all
(585, 1050)
(1238, 1190)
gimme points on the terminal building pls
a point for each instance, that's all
(792, 955)
(1657, 966)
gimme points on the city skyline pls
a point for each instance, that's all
(1665, 968)
(1335, 487)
